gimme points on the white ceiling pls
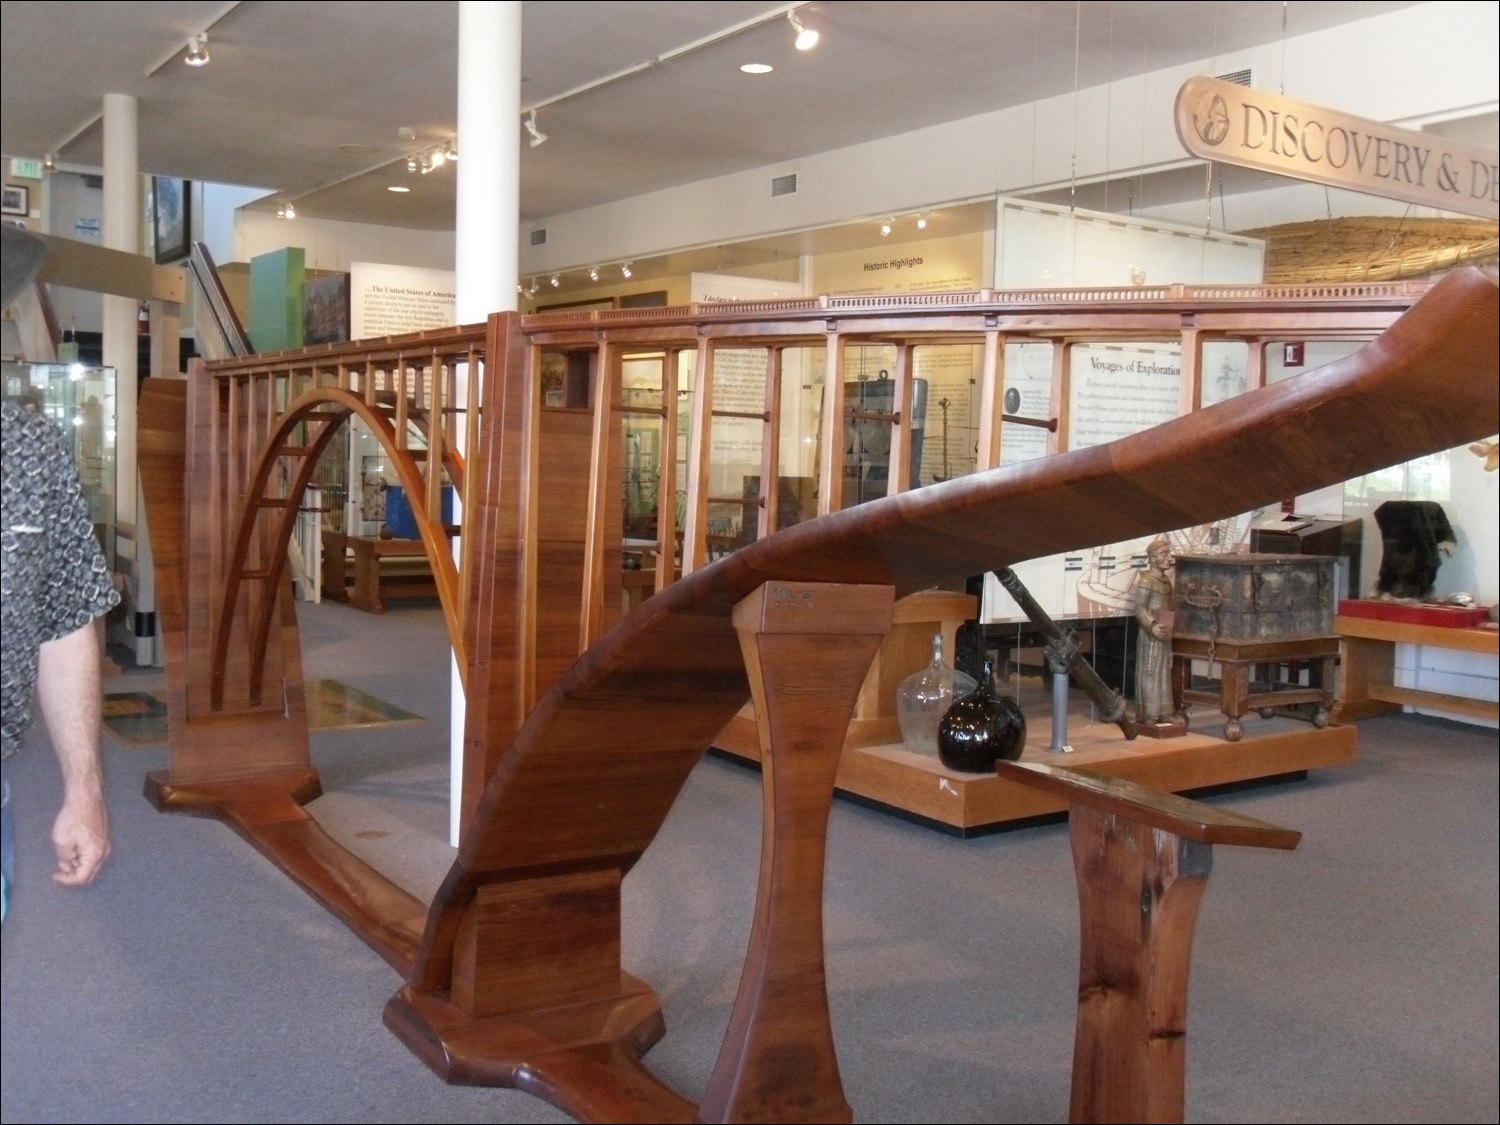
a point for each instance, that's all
(306, 99)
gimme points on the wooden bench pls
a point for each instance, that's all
(384, 570)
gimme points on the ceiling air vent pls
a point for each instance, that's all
(784, 185)
(1239, 77)
(539, 237)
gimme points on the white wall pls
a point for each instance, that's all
(331, 244)
(215, 217)
(1422, 62)
(75, 210)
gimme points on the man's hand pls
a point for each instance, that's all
(68, 690)
(80, 836)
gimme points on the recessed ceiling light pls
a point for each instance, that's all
(757, 68)
(398, 188)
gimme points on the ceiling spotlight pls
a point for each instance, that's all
(536, 135)
(285, 210)
(593, 273)
(531, 288)
(555, 281)
(411, 164)
(197, 51)
(921, 222)
(450, 150)
(885, 228)
(757, 68)
(624, 269)
(49, 162)
(807, 38)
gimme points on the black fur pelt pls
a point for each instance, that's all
(1413, 531)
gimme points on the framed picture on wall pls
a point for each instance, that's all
(325, 309)
(17, 200)
(171, 218)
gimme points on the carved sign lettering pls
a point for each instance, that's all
(1237, 125)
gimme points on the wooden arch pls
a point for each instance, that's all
(257, 557)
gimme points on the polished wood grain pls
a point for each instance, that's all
(1142, 860)
(627, 721)
(566, 783)
(1367, 646)
(807, 647)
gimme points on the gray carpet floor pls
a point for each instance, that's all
(1354, 979)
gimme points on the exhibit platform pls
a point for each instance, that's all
(920, 788)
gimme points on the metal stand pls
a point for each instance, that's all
(1064, 658)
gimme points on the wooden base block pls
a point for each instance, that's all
(266, 810)
(211, 798)
(582, 1058)
(1164, 728)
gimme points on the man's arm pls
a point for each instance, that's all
(68, 692)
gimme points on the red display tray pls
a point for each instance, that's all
(1445, 616)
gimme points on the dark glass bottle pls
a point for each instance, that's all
(982, 728)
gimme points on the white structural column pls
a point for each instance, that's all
(122, 231)
(487, 237)
(489, 166)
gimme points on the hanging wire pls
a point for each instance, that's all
(1077, 51)
(1109, 101)
(1284, 4)
(1140, 164)
(1395, 236)
(1208, 195)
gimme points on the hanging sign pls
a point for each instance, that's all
(1239, 125)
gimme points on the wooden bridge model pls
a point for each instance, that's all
(581, 726)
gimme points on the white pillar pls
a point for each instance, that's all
(487, 241)
(489, 150)
(122, 231)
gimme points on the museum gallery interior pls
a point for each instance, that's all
(754, 562)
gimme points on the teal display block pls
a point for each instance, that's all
(276, 299)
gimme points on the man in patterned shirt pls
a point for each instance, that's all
(53, 584)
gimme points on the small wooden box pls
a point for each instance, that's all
(1255, 597)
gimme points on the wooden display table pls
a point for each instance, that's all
(1369, 658)
(384, 570)
(878, 768)
(1239, 690)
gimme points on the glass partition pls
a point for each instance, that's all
(80, 401)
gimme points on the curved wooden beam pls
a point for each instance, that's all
(590, 776)
(435, 539)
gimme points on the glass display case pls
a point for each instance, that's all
(80, 400)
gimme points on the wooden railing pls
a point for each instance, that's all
(276, 414)
(273, 418)
(572, 762)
